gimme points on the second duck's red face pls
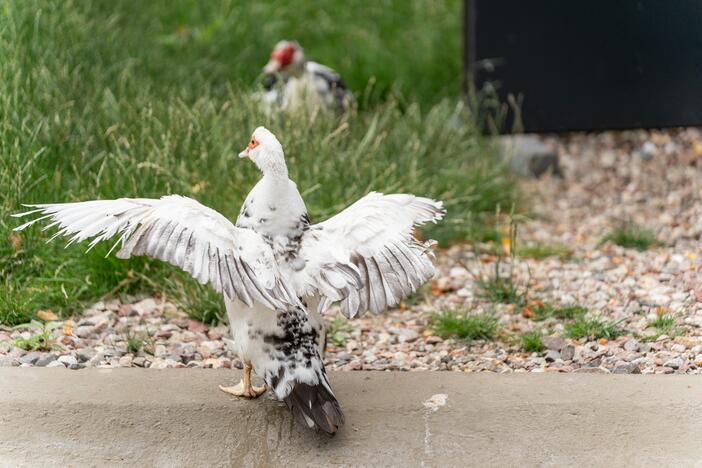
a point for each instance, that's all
(281, 57)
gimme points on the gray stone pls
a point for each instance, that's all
(627, 368)
(85, 354)
(84, 331)
(174, 357)
(76, 366)
(55, 364)
(405, 334)
(568, 352)
(44, 360)
(555, 343)
(67, 360)
(112, 353)
(101, 325)
(30, 358)
(161, 351)
(552, 355)
(631, 345)
(126, 361)
(145, 307)
(7, 361)
(139, 361)
(674, 363)
(187, 348)
(529, 156)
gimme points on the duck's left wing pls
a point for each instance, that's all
(366, 256)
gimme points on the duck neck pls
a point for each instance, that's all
(273, 165)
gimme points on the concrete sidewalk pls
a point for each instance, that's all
(178, 417)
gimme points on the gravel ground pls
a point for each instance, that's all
(648, 178)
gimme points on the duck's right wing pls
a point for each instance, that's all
(182, 232)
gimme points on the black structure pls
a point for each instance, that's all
(587, 65)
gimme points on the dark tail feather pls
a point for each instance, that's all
(315, 406)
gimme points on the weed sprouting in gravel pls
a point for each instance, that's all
(542, 251)
(631, 236)
(542, 311)
(592, 329)
(135, 343)
(664, 324)
(457, 324)
(501, 288)
(531, 341)
(339, 331)
(41, 336)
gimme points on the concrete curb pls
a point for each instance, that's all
(178, 417)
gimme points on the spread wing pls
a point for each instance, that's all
(366, 256)
(180, 231)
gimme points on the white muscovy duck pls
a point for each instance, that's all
(276, 270)
(292, 82)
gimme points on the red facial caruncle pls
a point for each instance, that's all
(250, 147)
(284, 54)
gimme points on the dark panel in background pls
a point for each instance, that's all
(595, 64)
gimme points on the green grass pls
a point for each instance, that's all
(631, 236)
(499, 290)
(545, 311)
(531, 342)
(338, 331)
(591, 328)
(135, 343)
(455, 324)
(41, 338)
(664, 324)
(542, 251)
(104, 99)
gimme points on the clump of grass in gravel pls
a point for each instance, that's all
(135, 343)
(41, 337)
(542, 251)
(499, 290)
(591, 328)
(543, 311)
(339, 331)
(531, 342)
(99, 101)
(631, 236)
(456, 324)
(664, 324)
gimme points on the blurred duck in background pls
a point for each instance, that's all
(292, 83)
